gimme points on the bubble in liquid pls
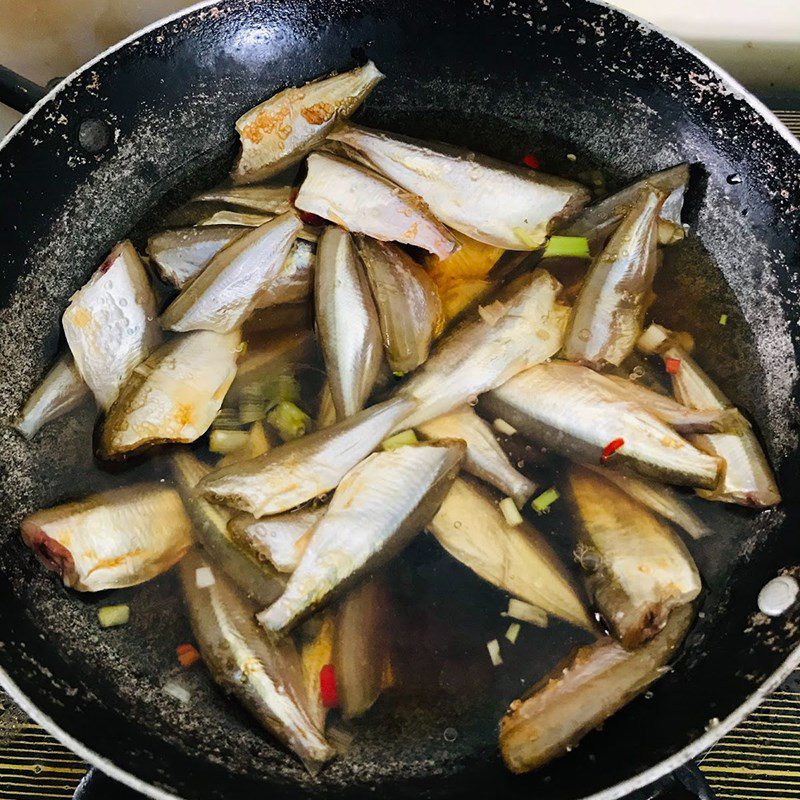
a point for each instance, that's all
(450, 734)
(457, 524)
(638, 371)
(734, 178)
(473, 400)
(584, 334)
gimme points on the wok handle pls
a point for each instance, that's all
(97, 786)
(18, 92)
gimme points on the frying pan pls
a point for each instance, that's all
(117, 144)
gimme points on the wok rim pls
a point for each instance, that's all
(615, 792)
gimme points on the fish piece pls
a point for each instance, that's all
(181, 254)
(327, 411)
(486, 199)
(577, 412)
(110, 323)
(266, 677)
(237, 219)
(407, 302)
(280, 539)
(283, 317)
(664, 501)
(358, 199)
(683, 419)
(264, 198)
(579, 694)
(317, 637)
(222, 296)
(347, 322)
(294, 281)
(111, 540)
(477, 356)
(637, 569)
(362, 656)
(485, 458)
(62, 390)
(305, 468)
(378, 507)
(280, 131)
(174, 395)
(748, 479)
(598, 221)
(255, 579)
(608, 315)
(514, 558)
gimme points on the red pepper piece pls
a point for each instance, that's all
(187, 655)
(327, 687)
(306, 216)
(672, 365)
(611, 448)
(531, 161)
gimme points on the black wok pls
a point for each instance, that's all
(505, 78)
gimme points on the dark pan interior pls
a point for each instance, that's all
(549, 78)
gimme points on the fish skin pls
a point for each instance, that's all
(256, 580)
(266, 677)
(264, 198)
(485, 458)
(609, 312)
(576, 412)
(110, 323)
(598, 221)
(637, 569)
(582, 692)
(294, 281)
(407, 302)
(174, 395)
(359, 200)
(281, 130)
(62, 390)
(378, 507)
(111, 540)
(481, 197)
(514, 558)
(224, 294)
(347, 322)
(280, 539)
(748, 479)
(476, 356)
(316, 639)
(305, 468)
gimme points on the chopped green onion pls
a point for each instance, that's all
(542, 503)
(204, 577)
(503, 427)
(510, 511)
(398, 374)
(526, 612)
(290, 421)
(399, 440)
(513, 632)
(259, 397)
(227, 420)
(226, 441)
(494, 652)
(572, 246)
(111, 616)
(723, 320)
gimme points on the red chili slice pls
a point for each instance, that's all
(327, 687)
(531, 161)
(611, 448)
(672, 365)
(311, 219)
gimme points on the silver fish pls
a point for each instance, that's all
(598, 221)
(281, 130)
(265, 676)
(264, 198)
(491, 201)
(62, 390)
(347, 322)
(235, 219)
(280, 539)
(174, 395)
(514, 558)
(478, 355)
(637, 569)
(327, 411)
(358, 199)
(485, 458)
(748, 479)
(407, 301)
(110, 323)
(683, 419)
(666, 502)
(316, 639)
(362, 657)
(378, 507)
(294, 281)
(256, 579)
(583, 691)
(577, 412)
(607, 316)
(111, 540)
(223, 295)
(304, 468)
(181, 254)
